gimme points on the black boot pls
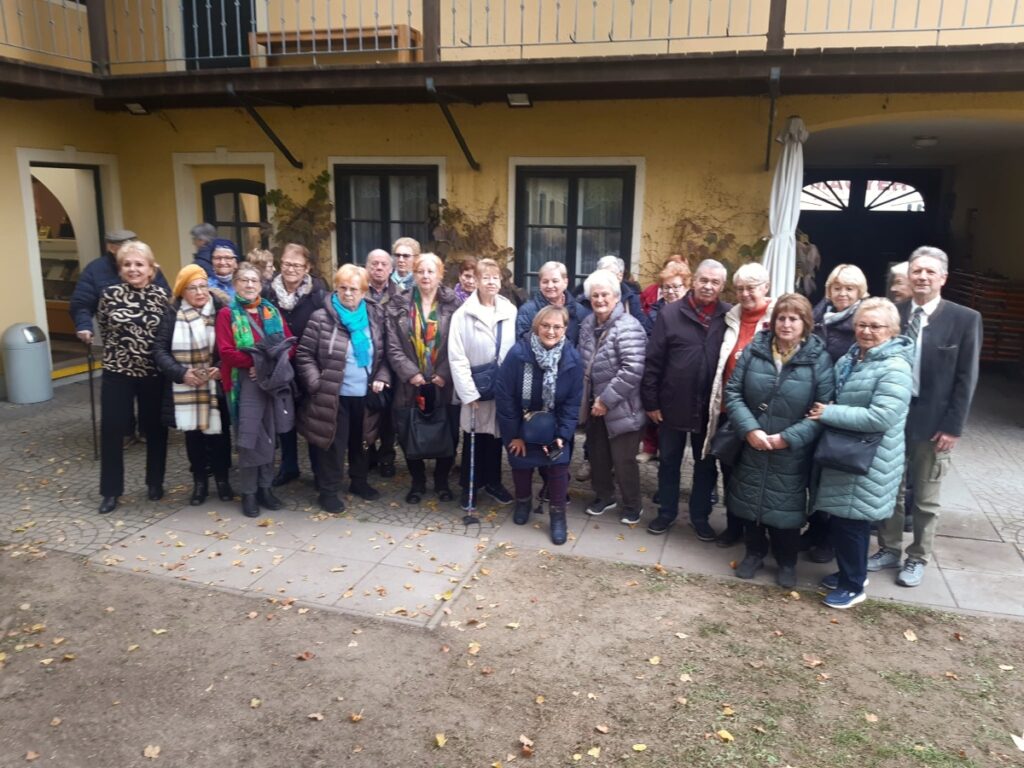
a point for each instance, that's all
(266, 498)
(329, 502)
(155, 492)
(559, 526)
(521, 512)
(108, 505)
(224, 489)
(200, 490)
(250, 506)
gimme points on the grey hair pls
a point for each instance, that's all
(612, 262)
(753, 272)
(602, 278)
(929, 250)
(899, 270)
(380, 252)
(207, 233)
(558, 266)
(885, 307)
(708, 264)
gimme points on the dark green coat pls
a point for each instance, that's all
(770, 487)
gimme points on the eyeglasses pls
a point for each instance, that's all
(197, 288)
(673, 288)
(224, 258)
(873, 327)
(748, 288)
(549, 327)
(403, 255)
(291, 267)
(248, 280)
(348, 289)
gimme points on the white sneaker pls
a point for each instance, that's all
(643, 457)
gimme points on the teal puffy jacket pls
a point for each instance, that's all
(874, 398)
(770, 487)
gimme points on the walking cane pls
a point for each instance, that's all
(470, 517)
(89, 361)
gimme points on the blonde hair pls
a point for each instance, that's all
(433, 257)
(850, 274)
(260, 257)
(299, 248)
(138, 248)
(676, 269)
(483, 264)
(409, 241)
(550, 309)
(247, 267)
(348, 271)
(885, 307)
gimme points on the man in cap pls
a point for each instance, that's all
(97, 275)
(203, 236)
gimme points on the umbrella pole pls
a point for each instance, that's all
(89, 362)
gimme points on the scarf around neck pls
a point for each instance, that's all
(425, 336)
(242, 328)
(285, 300)
(405, 283)
(357, 323)
(547, 361)
(704, 313)
(832, 316)
(192, 346)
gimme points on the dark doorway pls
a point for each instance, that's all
(217, 33)
(237, 208)
(871, 217)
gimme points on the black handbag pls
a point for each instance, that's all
(424, 434)
(726, 443)
(377, 402)
(847, 451)
(485, 375)
(539, 427)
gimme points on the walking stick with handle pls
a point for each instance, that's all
(470, 516)
(90, 361)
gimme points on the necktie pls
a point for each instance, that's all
(914, 328)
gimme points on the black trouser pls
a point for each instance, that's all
(117, 401)
(486, 461)
(210, 454)
(348, 436)
(384, 451)
(785, 542)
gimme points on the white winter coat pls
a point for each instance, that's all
(471, 341)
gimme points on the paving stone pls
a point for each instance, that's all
(979, 556)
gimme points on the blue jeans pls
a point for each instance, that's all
(850, 540)
(671, 447)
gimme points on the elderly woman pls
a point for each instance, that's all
(264, 261)
(845, 288)
(554, 291)
(224, 257)
(749, 316)
(297, 294)
(466, 283)
(186, 354)
(653, 293)
(405, 251)
(612, 346)
(339, 360)
(129, 314)
(417, 351)
(541, 374)
(259, 396)
(779, 375)
(674, 282)
(482, 333)
(873, 387)
(628, 296)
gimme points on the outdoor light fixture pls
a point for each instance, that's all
(518, 100)
(135, 108)
(924, 142)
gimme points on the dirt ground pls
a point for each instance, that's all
(542, 661)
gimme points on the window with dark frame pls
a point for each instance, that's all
(572, 215)
(236, 207)
(377, 204)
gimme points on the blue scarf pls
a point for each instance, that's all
(357, 323)
(405, 283)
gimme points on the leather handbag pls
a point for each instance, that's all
(485, 375)
(847, 451)
(377, 402)
(726, 443)
(424, 434)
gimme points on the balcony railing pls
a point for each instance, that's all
(123, 36)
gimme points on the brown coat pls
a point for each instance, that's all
(402, 355)
(320, 364)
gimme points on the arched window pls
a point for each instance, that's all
(831, 195)
(236, 208)
(892, 196)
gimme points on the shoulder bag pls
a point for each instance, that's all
(486, 374)
(847, 451)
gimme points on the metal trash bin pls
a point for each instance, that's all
(27, 364)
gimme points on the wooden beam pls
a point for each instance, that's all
(431, 30)
(99, 49)
(776, 26)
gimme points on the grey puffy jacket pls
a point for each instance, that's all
(616, 369)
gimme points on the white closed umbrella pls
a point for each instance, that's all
(784, 208)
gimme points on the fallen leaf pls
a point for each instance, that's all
(812, 661)
(255, 703)
(474, 648)
(601, 728)
(685, 678)
(252, 615)
(159, 631)
(55, 722)
(681, 635)
(525, 746)
(539, 700)
(952, 676)
(728, 711)
(681, 701)
(133, 647)
(315, 716)
(594, 751)
(655, 660)
(795, 595)
(30, 756)
(440, 740)
(725, 736)
(1006, 667)
(871, 717)
(46, 662)
(958, 636)
(910, 635)
(513, 625)
(639, 747)
(355, 717)
(577, 756)
(756, 664)
(1018, 740)
(68, 657)
(152, 751)
(306, 656)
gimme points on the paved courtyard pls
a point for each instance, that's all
(405, 563)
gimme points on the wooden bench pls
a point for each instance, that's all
(400, 39)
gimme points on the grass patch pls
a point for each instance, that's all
(712, 628)
(907, 682)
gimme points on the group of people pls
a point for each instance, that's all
(234, 353)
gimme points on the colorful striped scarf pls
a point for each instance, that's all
(425, 336)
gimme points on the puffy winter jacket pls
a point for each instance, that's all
(320, 365)
(874, 398)
(529, 310)
(616, 369)
(770, 487)
(838, 335)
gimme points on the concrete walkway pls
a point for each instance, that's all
(404, 563)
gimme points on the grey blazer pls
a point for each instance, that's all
(951, 347)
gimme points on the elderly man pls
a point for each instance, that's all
(554, 290)
(682, 358)
(97, 275)
(405, 250)
(379, 266)
(945, 373)
(203, 236)
(899, 283)
(381, 454)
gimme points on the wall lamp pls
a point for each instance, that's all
(518, 100)
(135, 108)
